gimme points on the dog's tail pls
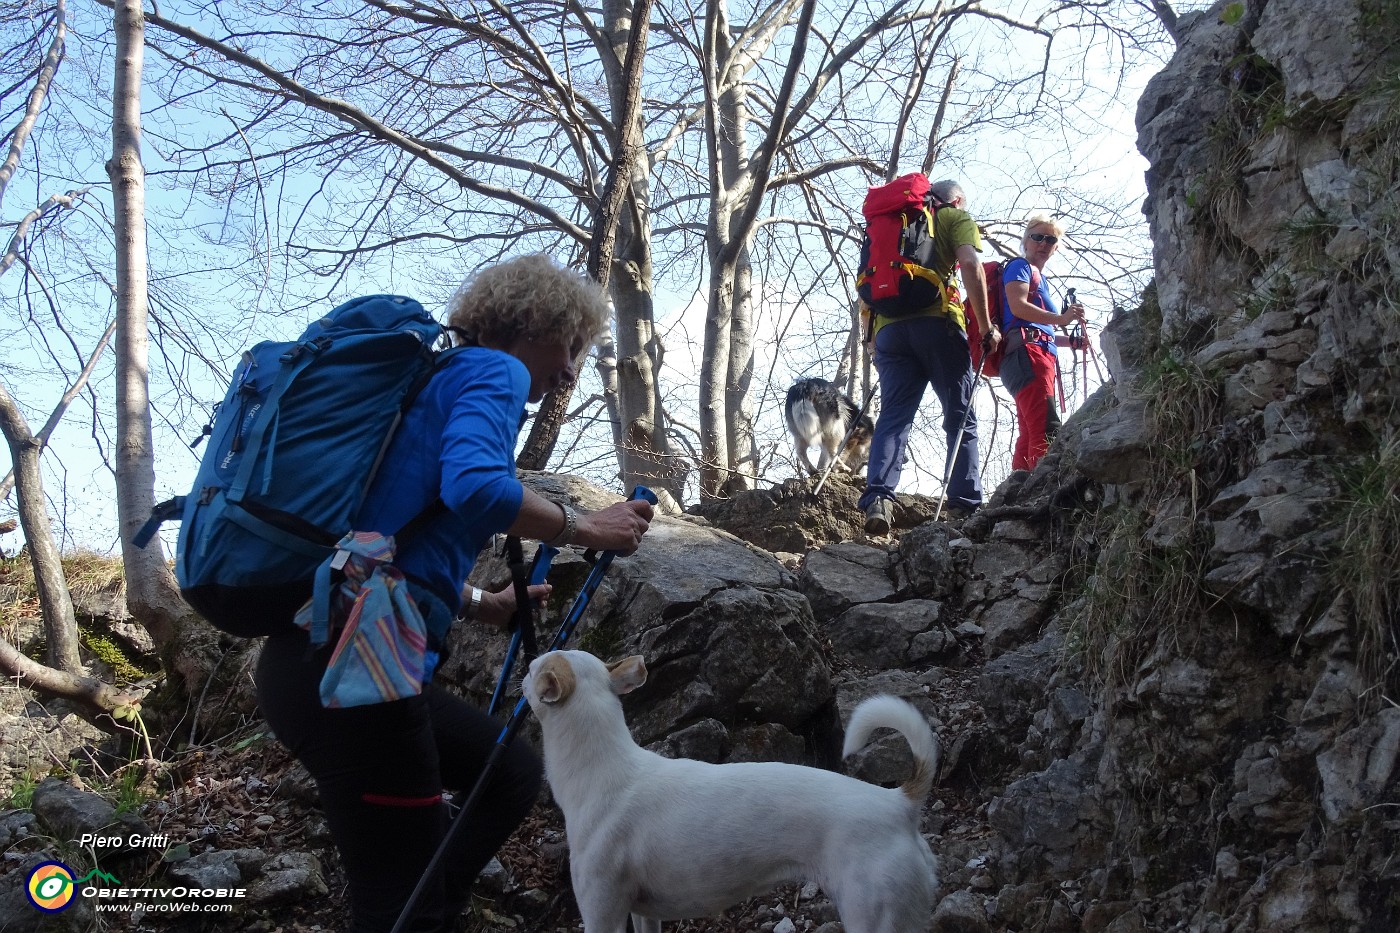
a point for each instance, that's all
(887, 712)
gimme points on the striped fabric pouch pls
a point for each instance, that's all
(382, 653)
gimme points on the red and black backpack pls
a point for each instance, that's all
(896, 277)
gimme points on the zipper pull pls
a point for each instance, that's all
(208, 428)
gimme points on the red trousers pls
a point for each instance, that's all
(1035, 405)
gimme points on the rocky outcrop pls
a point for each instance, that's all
(735, 666)
(793, 518)
(1194, 695)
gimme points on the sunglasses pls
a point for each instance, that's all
(1045, 238)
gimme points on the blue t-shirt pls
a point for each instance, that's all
(456, 441)
(1019, 270)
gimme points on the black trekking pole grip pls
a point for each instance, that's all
(508, 733)
(590, 584)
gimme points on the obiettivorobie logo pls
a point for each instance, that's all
(52, 887)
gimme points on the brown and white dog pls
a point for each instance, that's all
(667, 839)
(819, 413)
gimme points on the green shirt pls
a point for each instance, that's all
(952, 227)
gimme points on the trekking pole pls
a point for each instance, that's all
(850, 432)
(512, 727)
(957, 441)
(1076, 343)
(1092, 354)
(524, 621)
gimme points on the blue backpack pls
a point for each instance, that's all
(292, 450)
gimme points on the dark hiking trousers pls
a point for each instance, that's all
(381, 770)
(910, 355)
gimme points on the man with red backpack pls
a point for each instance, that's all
(926, 345)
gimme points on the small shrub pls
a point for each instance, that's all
(21, 795)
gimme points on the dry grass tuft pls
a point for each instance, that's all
(1366, 568)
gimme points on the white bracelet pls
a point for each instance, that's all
(471, 606)
(570, 529)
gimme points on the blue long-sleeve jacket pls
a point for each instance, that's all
(457, 441)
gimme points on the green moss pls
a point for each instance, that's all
(1280, 294)
(109, 653)
(130, 790)
(1379, 17)
(1135, 594)
(604, 640)
(1185, 402)
(1150, 310)
(36, 650)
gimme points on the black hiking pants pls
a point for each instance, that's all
(381, 770)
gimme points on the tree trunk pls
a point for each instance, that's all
(848, 371)
(607, 375)
(738, 181)
(714, 375)
(644, 455)
(544, 431)
(743, 452)
(151, 593)
(716, 456)
(55, 604)
(628, 28)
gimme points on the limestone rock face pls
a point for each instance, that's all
(735, 667)
(1196, 657)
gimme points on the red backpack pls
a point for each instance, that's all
(895, 279)
(990, 365)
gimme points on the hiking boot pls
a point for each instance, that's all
(958, 513)
(878, 517)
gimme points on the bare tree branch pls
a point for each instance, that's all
(53, 205)
(42, 438)
(66, 684)
(362, 121)
(20, 134)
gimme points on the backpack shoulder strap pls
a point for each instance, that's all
(415, 525)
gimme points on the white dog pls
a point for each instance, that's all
(819, 413)
(667, 839)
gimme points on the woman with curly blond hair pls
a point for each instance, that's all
(381, 768)
(1029, 365)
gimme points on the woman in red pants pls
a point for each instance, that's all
(1030, 316)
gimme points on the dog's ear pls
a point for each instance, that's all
(554, 681)
(628, 674)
